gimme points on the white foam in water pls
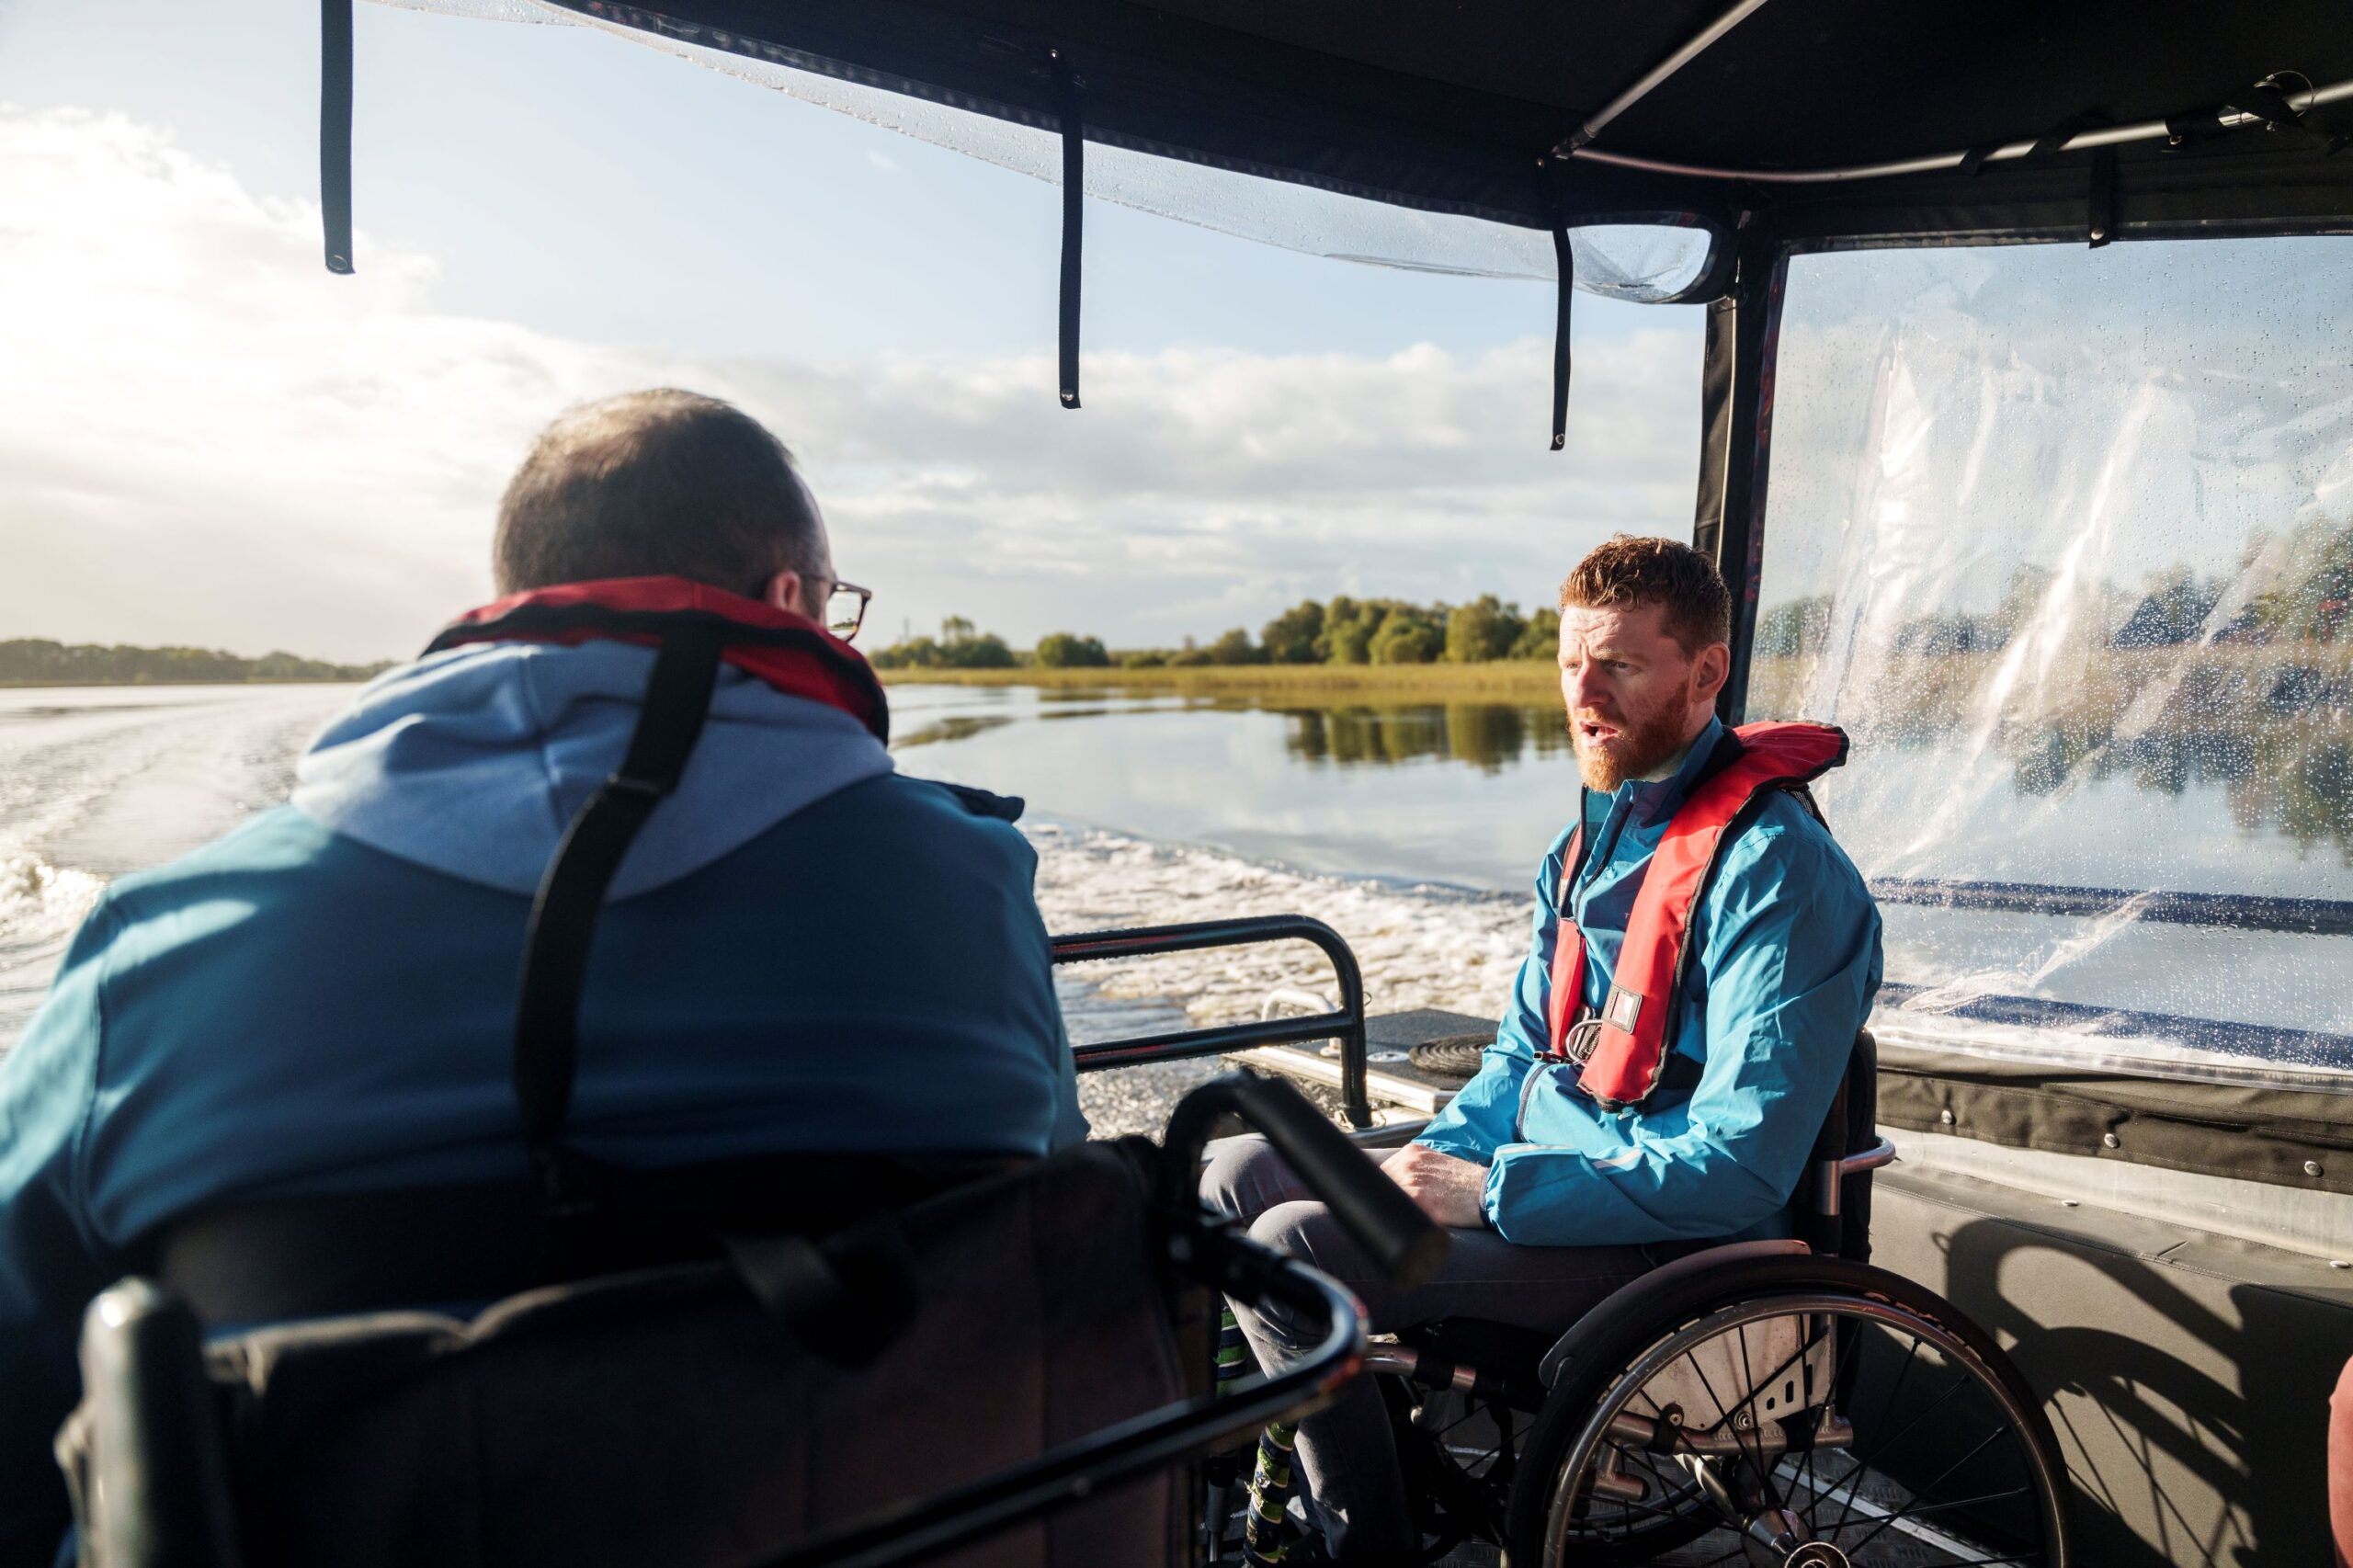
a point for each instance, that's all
(35, 896)
(97, 781)
(40, 907)
(1419, 945)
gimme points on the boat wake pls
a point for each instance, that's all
(1419, 945)
(98, 781)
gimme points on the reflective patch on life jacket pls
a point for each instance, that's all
(1622, 1050)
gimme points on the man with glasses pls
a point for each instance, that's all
(802, 952)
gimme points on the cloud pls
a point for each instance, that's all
(883, 161)
(206, 437)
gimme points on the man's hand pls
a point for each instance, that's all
(1449, 1191)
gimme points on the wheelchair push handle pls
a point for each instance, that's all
(1401, 1241)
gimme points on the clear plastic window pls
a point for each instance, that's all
(2064, 539)
(1640, 263)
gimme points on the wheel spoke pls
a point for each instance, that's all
(1915, 1513)
(1787, 1467)
(1863, 1467)
(1898, 1517)
(1764, 1471)
(1911, 1357)
(1829, 1403)
(1723, 1416)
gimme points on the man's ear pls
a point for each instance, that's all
(1710, 671)
(783, 592)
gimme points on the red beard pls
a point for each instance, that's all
(1641, 746)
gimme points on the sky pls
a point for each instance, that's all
(206, 438)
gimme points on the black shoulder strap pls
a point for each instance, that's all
(572, 896)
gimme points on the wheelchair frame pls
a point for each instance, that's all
(1829, 1216)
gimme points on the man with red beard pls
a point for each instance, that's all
(1666, 1059)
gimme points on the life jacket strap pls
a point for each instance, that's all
(563, 925)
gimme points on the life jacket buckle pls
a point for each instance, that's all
(1583, 1035)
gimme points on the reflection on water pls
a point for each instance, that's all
(956, 727)
(2293, 781)
(1488, 735)
(1466, 794)
(2268, 731)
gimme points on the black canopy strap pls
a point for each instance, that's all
(1565, 262)
(2264, 102)
(334, 130)
(2099, 199)
(572, 896)
(1067, 106)
(1974, 159)
(2267, 103)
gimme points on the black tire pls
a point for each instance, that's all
(1554, 1520)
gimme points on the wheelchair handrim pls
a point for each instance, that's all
(1676, 1344)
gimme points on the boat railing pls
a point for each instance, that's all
(1343, 1023)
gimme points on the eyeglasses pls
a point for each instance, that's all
(846, 610)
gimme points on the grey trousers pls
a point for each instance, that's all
(1346, 1455)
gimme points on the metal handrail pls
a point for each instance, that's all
(1345, 1024)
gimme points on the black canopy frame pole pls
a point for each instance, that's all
(2174, 128)
(1744, 331)
(1650, 81)
(335, 132)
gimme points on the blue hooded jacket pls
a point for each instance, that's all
(803, 950)
(1786, 963)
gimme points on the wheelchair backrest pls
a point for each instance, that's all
(669, 1418)
(1830, 1214)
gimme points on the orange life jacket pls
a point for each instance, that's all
(1623, 1049)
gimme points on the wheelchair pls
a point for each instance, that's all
(998, 1373)
(1015, 1367)
(1774, 1402)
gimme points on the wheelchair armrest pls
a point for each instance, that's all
(1399, 1239)
(142, 1454)
(1879, 1155)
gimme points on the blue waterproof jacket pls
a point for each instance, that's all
(1786, 964)
(803, 951)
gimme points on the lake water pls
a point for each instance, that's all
(1412, 829)
(1141, 812)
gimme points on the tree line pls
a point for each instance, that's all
(37, 661)
(1343, 630)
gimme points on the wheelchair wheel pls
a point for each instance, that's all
(1801, 1412)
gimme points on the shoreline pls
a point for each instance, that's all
(13, 685)
(1534, 682)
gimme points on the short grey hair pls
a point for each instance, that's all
(656, 484)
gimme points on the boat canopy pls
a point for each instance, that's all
(1833, 120)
